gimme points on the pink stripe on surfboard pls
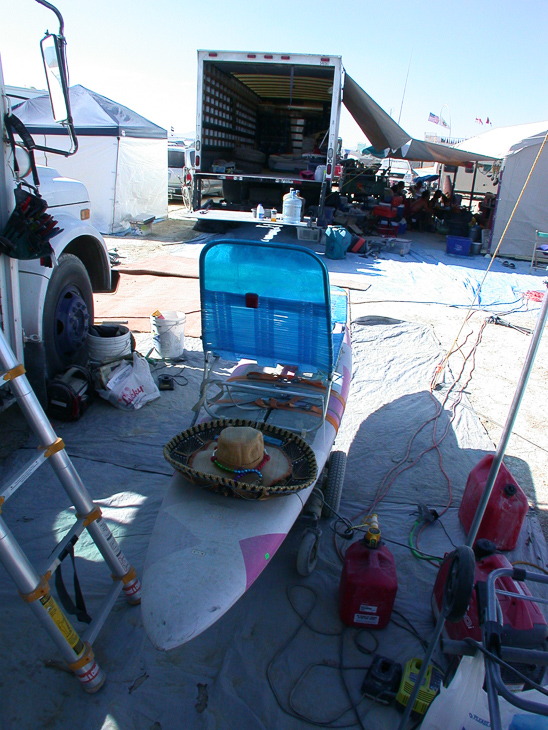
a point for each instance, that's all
(257, 552)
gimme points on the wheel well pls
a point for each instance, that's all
(92, 255)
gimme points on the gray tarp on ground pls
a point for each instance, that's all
(385, 134)
(219, 680)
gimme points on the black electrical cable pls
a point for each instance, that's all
(292, 712)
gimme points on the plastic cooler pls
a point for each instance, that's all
(458, 245)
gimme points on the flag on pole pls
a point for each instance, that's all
(478, 120)
(433, 118)
(488, 122)
(443, 122)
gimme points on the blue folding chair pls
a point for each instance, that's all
(270, 304)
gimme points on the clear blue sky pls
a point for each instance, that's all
(480, 58)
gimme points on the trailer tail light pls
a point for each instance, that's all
(325, 59)
(285, 58)
(188, 177)
(328, 170)
(212, 55)
(85, 214)
(197, 162)
(269, 56)
(252, 55)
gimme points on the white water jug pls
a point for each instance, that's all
(292, 208)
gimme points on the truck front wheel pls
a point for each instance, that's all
(68, 314)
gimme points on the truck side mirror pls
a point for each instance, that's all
(53, 55)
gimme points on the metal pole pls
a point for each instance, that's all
(520, 390)
(473, 185)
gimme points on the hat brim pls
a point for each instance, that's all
(293, 464)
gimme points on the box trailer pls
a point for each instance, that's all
(266, 122)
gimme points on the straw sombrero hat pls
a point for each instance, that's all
(243, 458)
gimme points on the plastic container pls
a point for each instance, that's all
(260, 211)
(506, 508)
(475, 249)
(292, 208)
(368, 586)
(337, 242)
(458, 245)
(168, 334)
(319, 173)
(107, 342)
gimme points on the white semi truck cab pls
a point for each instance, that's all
(46, 303)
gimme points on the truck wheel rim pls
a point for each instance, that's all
(71, 321)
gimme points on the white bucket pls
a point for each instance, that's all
(110, 343)
(168, 333)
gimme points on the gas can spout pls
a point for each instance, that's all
(373, 535)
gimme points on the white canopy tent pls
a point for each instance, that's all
(518, 146)
(121, 157)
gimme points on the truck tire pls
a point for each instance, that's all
(68, 314)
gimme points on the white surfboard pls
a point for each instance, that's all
(206, 549)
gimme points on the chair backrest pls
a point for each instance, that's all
(266, 302)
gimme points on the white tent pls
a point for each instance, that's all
(121, 157)
(518, 146)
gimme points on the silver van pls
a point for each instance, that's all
(180, 160)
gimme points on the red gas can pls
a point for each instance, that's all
(368, 586)
(506, 508)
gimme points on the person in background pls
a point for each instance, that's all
(420, 212)
(417, 190)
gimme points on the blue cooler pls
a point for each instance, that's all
(458, 245)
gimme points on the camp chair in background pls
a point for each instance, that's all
(270, 305)
(539, 258)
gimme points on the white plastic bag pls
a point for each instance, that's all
(130, 385)
(463, 705)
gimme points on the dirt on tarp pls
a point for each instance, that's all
(165, 283)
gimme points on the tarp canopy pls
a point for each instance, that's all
(390, 140)
(497, 142)
(92, 114)
(121, 157)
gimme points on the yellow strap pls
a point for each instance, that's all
(129, 576)
(91, 517)
(57, 445)
(339, 397)
(84, 659)
(2, 500)
(38, 592)
(332, 421)
(14, 373)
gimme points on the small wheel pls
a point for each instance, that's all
(459, 584)
(308, 554)
(333, 486)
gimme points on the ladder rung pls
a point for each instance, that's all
(90, 634)
(77, 530)
(22, 475)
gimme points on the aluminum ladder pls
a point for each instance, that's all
(33, 586)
